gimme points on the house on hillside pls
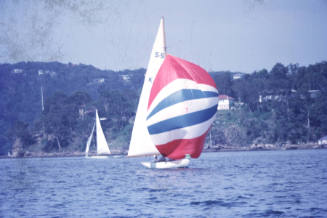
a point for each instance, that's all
(96, 81)
(224, 102)
(237, 76)
(126, 77)
(314, 93)
(42, 72)
(323, 141)
(17, 71)
(267, 98)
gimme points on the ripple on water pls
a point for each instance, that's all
(218, 203)
(266, 213)
(229, 184)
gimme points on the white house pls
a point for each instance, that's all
(323, 141)
(17, 71)
(126, 77)
(224, 102)
(237, 76)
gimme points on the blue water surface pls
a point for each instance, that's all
(225, 184)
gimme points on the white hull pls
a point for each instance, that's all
(167, 164)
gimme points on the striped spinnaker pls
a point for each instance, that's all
(182, 106)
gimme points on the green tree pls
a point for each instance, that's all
(20, 130)
(61, 116)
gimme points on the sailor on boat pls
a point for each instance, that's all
(160, 158)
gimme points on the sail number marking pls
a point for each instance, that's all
(159, 54)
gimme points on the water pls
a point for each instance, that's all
(229, 184)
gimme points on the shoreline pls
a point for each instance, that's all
(267, 147)
(217, 148)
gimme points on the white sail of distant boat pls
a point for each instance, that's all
(101, 142)
(176, 108)
(88, 143)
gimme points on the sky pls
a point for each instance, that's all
(239, 35)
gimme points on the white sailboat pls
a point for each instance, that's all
(102, 148)
(177, 105)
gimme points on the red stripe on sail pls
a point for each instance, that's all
(176, 68)
(177, 149)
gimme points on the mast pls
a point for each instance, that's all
(42, 101)
(141, 143)
(210, 139)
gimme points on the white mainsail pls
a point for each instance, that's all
(141, 143)
(102, 146)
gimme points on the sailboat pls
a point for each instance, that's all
(177, 106)
(101, 142)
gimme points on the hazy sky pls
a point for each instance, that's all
(239, 35)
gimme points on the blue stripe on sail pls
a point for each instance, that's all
(182, 121)
(180, 96)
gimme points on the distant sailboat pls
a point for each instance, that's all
(176, 108)
(101, 142)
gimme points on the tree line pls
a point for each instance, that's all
(284, 105)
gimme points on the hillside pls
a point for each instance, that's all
(71, 93)
(285, 105)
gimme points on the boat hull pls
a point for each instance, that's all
(167, 164)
